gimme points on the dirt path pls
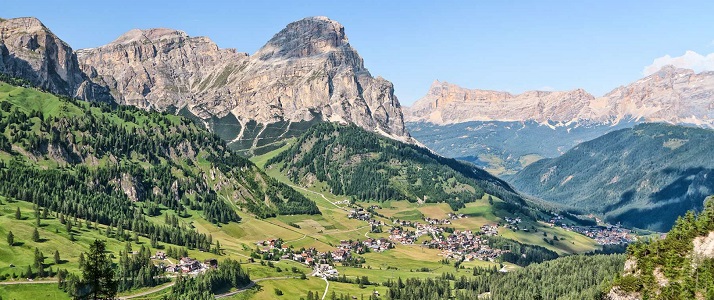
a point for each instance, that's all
(250, 285)
(321, 195)
(27, 282)
(144, 293)
(326, 288)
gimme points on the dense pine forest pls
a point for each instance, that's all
(367, 166)
(577, 277)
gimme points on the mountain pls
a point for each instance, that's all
(31, 51)
(447, 103)
(672, 95)
(678, 266)
(308, 72)
(503, 148)
(504, 133)
(365, 166)
(643, 177)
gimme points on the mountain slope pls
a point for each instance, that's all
(503, 148)
(645, 176)
(307, 72)
(98, 160)
(31, 51)
(679, 266)
(357, 163)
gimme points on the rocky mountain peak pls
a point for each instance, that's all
(306, 72)
(670, 71)
(149, 35)
(26, 24)
(29, 50)
(307, 37)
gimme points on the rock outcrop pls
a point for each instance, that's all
(306, 71)
(672, 95)
(29, 50)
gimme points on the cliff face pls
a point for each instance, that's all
(306, 71)
(447, 103)
(671, 95)
(30, 51)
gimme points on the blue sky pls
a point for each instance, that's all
(501, 45)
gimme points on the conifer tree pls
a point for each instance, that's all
(98, 273)
(35, 235)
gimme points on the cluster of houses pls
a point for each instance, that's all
(464, 244)
(432, 221)
(186, 265)
(489, 229)
(512, 223)
(605, 235)
(325, 271)
(359, 214)
(455, 216)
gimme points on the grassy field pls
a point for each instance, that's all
(32, 291)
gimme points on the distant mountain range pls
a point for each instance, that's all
(504, 132)
(672, 95)
(306, 73)
(644, 177)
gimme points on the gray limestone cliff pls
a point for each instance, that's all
(30, 51)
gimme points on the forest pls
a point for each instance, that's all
(577, 277)
(643, 177)
(354, 162)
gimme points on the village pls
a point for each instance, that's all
(603, 235)
(322, 262)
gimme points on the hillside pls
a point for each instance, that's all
(504, 148)
(365, 166)
(94, 155)
(644, 177)
(678, 266)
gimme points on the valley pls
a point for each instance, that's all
(155, 164)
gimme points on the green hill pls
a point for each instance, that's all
(644, 177)
(120, 165)
(369, 167)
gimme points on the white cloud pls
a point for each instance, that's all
(690, 60)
